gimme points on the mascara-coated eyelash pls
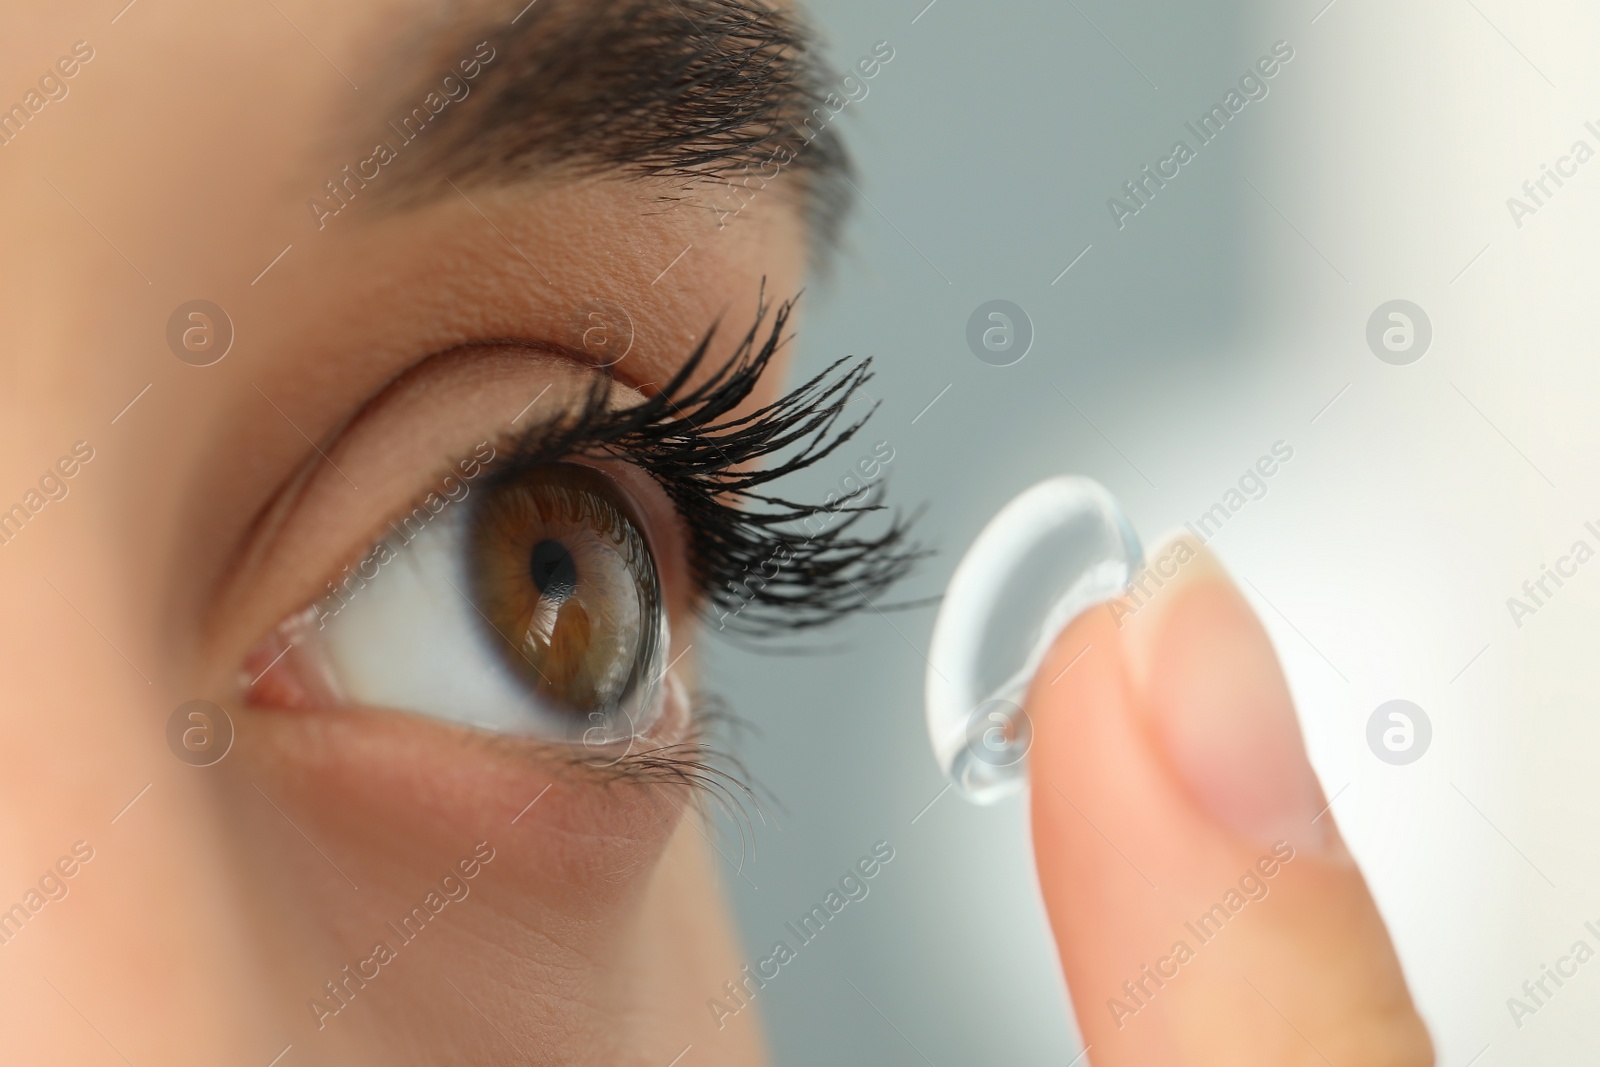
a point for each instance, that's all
(758, 566)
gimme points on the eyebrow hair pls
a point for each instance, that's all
(685, 91)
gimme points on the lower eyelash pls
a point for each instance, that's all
(715, 779)
(758, 574)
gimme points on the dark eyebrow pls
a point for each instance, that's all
(685, 91)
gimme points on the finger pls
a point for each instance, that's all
(1205, 908)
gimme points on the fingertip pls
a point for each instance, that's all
(1219, 705)
(1074, 703)
(1172, 797)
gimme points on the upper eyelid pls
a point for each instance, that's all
(515, 449)
(569, 357)
(621, 373)
(306, 485)
(288, 497)
(502, 464)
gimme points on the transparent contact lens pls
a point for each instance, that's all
(1057, 550)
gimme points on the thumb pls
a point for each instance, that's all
(1205, 908)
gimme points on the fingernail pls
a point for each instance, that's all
(1219, 703)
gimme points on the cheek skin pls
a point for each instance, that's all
(395, 802)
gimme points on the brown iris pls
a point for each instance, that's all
(562, 573)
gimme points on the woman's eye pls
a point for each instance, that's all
(526, 604)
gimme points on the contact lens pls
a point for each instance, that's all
(1057, 550)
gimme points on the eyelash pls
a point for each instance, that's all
(704, 459)
(705, 462)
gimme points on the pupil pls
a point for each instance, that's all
(554, 571)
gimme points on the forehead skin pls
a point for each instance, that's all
(179, 166)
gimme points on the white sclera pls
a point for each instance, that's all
(1057, 550)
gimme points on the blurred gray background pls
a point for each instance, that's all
(1230, 313)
